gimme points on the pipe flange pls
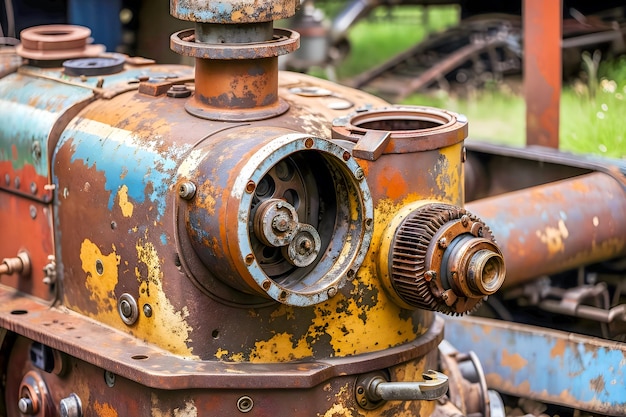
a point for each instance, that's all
(283, 42)
(56, 42)
(440, 257)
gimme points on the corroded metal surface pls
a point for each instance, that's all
(542, 70)
(568, 226)
(154, 367)
(546, 365)
(440, 257)
(232, 11)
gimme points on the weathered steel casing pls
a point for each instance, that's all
(129, 274)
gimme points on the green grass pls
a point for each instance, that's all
(589, 122)
(388, 32)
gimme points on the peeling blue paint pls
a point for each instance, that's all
(29, 109)
(553, 365)
(125, 160)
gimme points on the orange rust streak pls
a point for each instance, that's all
(514, 361)
(558, 349)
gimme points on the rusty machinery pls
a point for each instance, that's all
(225, 241)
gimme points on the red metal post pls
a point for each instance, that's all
(542, 70)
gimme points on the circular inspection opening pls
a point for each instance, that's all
(410, 128)
(399, 124)
(401, 120)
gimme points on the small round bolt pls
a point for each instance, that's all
(71, 406)
(359, 174)
(250, 187)
(127, 308)
(26, 406)
(17, 182)
(464, 220)
(33, 187)
(443, 243)
(187, 190)
(147, 310)
(109, 379)
(7, 179)
(332, 291)
(245, 404)
(429, 275)
(178, 91)
(33, 212)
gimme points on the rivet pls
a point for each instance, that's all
(17, 182)
(109, 378)
(346, 155)
(7, 179)
(359, 174)
(464, 220)
(33, 212)
(250, 186)
(147, 310)
(443, 243)
(308, 143)
(245, 404)
(332, 291)
(33, 187)
(249, 259)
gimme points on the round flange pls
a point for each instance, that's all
(283, 42)
(56, 42)
(411, 128)
(440, 257)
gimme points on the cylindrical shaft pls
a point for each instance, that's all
(557, 226)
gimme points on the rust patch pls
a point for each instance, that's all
(515, 361)
(558, 349)
(597, 384)
(104, 410)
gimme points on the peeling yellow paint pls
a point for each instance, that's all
(554, 237)
(126, 206)
(221, 353)
(104, 410)
(338, 410)
(167, 327)
(280, 348)
(188, 410)
(449, 179)
(101, 279)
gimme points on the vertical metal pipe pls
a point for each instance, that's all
(542, 70)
